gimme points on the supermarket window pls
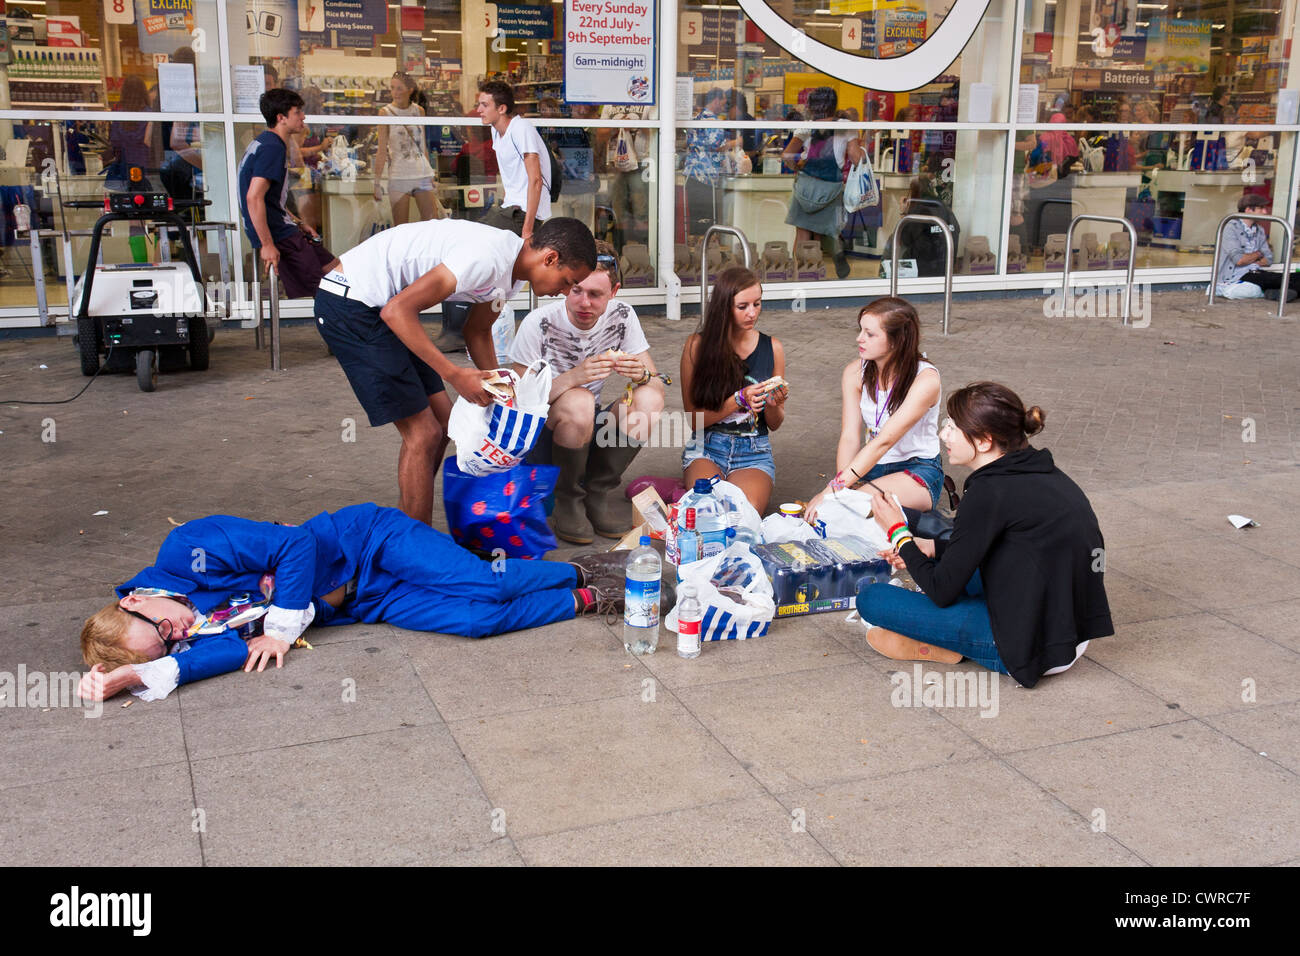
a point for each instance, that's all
(342, 54)
(1122, 61)
(720, 46)
(80, 55)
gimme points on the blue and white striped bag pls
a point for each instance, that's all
(740, 571)
(496, 438)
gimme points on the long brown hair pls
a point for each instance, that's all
(993, 411)
(902, 328)
(719, 372)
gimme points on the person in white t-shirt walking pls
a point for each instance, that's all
(368, 312)
(592, 444)
(522, 159)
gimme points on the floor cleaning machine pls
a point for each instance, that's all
(142, 316)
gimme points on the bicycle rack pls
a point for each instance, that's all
(1132, 256)
(947, 273)
(704, 258)
(1286, 261)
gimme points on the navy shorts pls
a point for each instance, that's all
(390, 381)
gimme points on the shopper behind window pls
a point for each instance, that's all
(523, 159)
(816, 208)
(703, 166)
(402, 152)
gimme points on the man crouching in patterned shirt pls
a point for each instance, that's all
(587, 337)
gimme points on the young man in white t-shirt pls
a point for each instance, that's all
(576, 336)
(368, 312)
(522, 158)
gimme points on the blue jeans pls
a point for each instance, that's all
(731, 452)
(962, 627)
(929, 471)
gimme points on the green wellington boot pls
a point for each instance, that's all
(610, 512)
(569, 519)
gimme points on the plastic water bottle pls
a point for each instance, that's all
(708, 513)
(641, 599)
(688, 624)
(737, 531)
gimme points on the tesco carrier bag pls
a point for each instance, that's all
(734, 594)
(496, 438)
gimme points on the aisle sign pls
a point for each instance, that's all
(119, 11)
(690, 27)
(609, 51)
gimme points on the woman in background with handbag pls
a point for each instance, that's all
(816, 208)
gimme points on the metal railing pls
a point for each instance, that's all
(704, 258)
(947, 272)
(273, 293)
(1132, 257)
(1286, 259)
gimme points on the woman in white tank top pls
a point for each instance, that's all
(402, 149)
(894, 393)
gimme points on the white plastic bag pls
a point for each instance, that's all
(779, 528)
(497, 438)
(847, 513)
(734, 593)
(748, 517)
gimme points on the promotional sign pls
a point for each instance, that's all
(609, 54)
(1178, 46)
(163, 26)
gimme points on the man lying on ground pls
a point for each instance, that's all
(362, 564)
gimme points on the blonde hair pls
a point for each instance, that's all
(102, 639)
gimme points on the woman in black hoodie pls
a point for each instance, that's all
(1018, 587)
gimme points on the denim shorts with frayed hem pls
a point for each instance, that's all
(925, 471)
(732, 452)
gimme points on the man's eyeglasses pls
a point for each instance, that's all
(163, 627)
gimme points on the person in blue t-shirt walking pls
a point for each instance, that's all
(291, 246)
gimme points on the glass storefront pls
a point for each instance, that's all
(1163, 114)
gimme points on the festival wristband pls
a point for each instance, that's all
(900, 531)
(739, 399)
(894, 527)
(902, 541)
(837, 483)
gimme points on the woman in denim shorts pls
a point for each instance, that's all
(892, 391)
(724, 366)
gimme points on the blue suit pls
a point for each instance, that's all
(406, 574)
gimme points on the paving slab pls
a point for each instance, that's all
(563, 663)
(398, 797)
(1178, 795)
(1199, 663)
(820, 727)
(337, 690)
(598, 762)
(1208, 572)
(754, 832)
(1268, 730)
(968, 813)
(134, 817)
(1278, 621)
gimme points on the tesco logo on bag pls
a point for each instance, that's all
(498, 456)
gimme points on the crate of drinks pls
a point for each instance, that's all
(809, 577)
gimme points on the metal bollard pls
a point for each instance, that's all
(1286, 259)
(274, 288)
(1132, 257)
(947, 275)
